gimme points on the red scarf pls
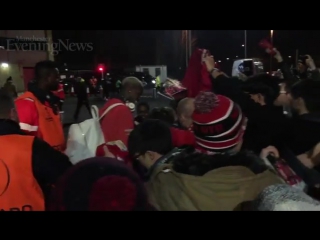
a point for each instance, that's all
(197, 77)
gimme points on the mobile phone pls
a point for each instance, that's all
(265, 44)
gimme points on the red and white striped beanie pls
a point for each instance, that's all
(218, 123)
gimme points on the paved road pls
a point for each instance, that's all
(70, 106)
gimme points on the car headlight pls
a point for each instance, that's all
(153, 81)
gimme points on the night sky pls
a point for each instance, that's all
(125, 48)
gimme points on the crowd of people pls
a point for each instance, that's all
(224, 144)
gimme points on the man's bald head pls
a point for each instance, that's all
(131, 82)
(186, 107)
(185, 110)
(131, 88)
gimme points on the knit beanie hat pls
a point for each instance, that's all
(99, 184)
(218, 123)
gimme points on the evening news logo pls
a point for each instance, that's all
(26, 44)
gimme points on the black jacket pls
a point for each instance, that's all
(48, 164)
(266, 124)
(291, 78)
(80, 89)
(303, 133)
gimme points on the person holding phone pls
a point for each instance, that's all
(261, 103)
(306, 68)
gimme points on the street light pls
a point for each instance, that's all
(227, 58)
(271, 37)
(219, 61)
(289, 56)
(4, 65)
(101, 70)
(242, 45)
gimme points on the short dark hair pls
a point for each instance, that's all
(44, 69)
(164, 114)
(150, 135)
(266, 85)
(309, 91)
(6, 103)
(143, 104)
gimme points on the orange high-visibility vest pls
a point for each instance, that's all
(19, 190)
(50, 125)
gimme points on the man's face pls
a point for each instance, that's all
(53, 80)
(143, 111)
(134, 94)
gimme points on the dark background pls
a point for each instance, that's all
(127, 48)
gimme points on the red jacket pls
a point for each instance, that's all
(120, 119)
(182, 137)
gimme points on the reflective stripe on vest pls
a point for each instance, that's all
(19, 190)
(49, 124)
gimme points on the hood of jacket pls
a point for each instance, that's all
(221, 188)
